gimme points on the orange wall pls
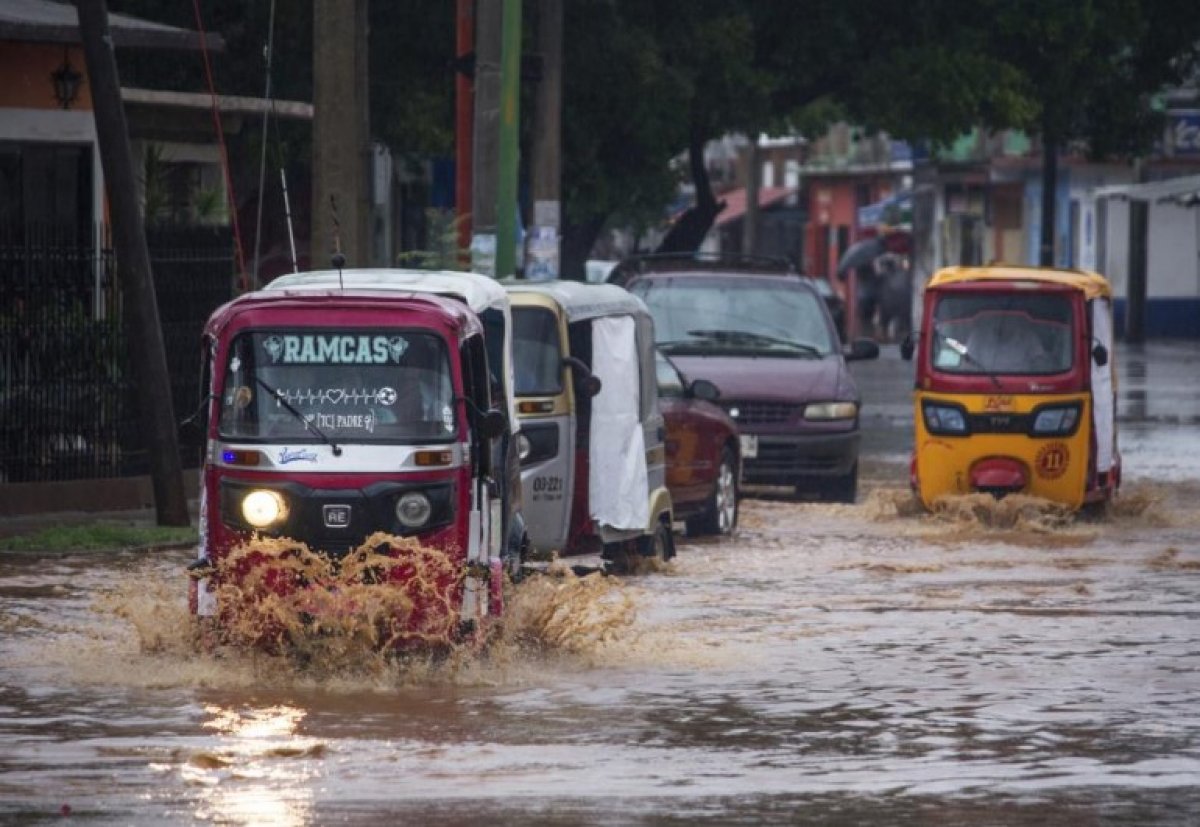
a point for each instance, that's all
(25, 70)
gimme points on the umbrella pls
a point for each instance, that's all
(861, 253)
(864, 252)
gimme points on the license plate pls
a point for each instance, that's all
(749, 446)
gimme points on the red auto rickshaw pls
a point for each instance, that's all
(338, 418)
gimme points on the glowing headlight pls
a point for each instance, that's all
(944, 419)
(413, 509)
(1056, 420)
(263, 508)
(831, 410)
(524, 446)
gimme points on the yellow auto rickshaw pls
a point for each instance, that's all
(1015, 385)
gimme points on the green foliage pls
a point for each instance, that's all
(99, 536)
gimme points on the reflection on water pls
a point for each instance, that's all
(985, 663)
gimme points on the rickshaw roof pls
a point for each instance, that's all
(478, 291)
(277, 306)
(1092, 284)
(580, 300)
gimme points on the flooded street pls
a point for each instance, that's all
(831, 664)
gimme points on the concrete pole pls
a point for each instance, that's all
(753, 180)
(464, 104)
(1135, 301)
(143, 331)
(486, 156)
(510, 150)
(546, 171)
(341, 132)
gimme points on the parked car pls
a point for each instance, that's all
(704, 458)
(767, 340)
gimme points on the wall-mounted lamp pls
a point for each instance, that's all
(66, 82)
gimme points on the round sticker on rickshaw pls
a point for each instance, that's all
(1052, 460)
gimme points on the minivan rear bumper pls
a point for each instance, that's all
(790, 459)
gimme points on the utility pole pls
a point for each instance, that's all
(341, 130)
(750, 217)
(464, 109)
(543, 260)
(486, 155)
(510, 151)
(143, 332)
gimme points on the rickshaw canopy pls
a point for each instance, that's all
(1092, 284)
(581, 301)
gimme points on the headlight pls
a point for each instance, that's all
(831, 410)
(944, 419)
(263, 508)
(523, 446)
(413, 509)
(1056, 421)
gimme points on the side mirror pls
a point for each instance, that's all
(586, 382)
(704, 389)
(493, 423)
(1100, 354)
(861, 349)
(907, 346)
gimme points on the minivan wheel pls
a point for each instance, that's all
(721, 511)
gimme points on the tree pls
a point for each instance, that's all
(1074, 72)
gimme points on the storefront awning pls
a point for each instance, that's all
(1183, 191)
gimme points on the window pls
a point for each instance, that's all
(991, 333)
(537, 354)
(352, 385)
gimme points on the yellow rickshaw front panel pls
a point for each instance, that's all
(997, 449)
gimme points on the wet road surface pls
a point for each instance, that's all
(996, 664)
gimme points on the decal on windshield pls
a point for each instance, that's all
(362, 422)
(334, 349)
(337, 396)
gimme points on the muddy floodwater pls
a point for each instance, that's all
(831, 664)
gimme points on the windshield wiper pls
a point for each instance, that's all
(749, 338)
(311, 428)
(961, 349)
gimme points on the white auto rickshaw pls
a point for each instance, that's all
(591, 444)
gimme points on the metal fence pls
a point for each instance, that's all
(69, 408)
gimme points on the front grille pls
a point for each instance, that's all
(785, 458)
(761, 413)
(999, 423)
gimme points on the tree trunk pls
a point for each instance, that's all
(577, 243)
(689, 231)
(1049, 193)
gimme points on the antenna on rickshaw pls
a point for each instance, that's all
(338, 259)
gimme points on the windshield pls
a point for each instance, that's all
(1010, 333)
(352, 385)
(736, 317)
(537, 359)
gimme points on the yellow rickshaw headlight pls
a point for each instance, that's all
(944, 419)
(1056, 420)
(261, 508)
(824, 411)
